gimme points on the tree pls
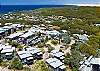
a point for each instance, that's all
(1, 60)
(66, 38)
(41, 66)
(27, 69)
(87, 49)
(15, 44)
(46, 39)
(55, 42)
(41, 45)
(16, 64)
(50, 49)
(94, 41)
(98, 53)
(73, 60)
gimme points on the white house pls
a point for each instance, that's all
(7, 51)
(15, 35)
(57, 54)
(82, 38)
(56, 64)
(37, 54)
(90, 64)
(26, 57)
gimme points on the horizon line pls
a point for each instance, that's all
(98, 5)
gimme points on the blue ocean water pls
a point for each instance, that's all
(11, 8)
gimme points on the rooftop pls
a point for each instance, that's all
(95, 61)
(24, 54)
(27, 34)
(55, 63)
(15, 35)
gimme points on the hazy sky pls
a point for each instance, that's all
(47, 2)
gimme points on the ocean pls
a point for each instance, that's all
(13, 8)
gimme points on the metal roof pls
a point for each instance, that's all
(7, 27)
(15, 34)
(33, 50)
(8, 54)
(54, 32)
(62, 67)
(16, 25)
(50, 60)
(95, 61)
(24, 54)
(21, 52)
(58, 54)
(1, 31)
(55, 63)
(54, 51)
(27, 34)
(7, 50)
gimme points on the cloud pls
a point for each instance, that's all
(98, 5)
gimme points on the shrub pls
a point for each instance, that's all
(50, 49)
(55, 42)
(41, 45)
(41, 66)
(15, 44)
(4, 63)
(16, 64)
(73, 60)
(27, 69)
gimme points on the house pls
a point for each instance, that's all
(7, 51)
(64, 31)
(10, 29)
(15, 35)
(37, 54)
(38, 40)
(35, 29)
(95, 62)
(90, 64)
(18, 26)
(52, 33)
(33, 41)
(8, 24)
(3, 32)
(57, 54)
(26, 57)
(81, 38)
(97, 24)
(56, 64)
(25, 38)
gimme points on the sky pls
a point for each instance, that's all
(47, 2)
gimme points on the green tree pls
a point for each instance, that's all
(87, 49)
(66, 38)
(41, 66)
(55, 42)
(41, 45)
(50, 49)
(16, 64)
(73, 60)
